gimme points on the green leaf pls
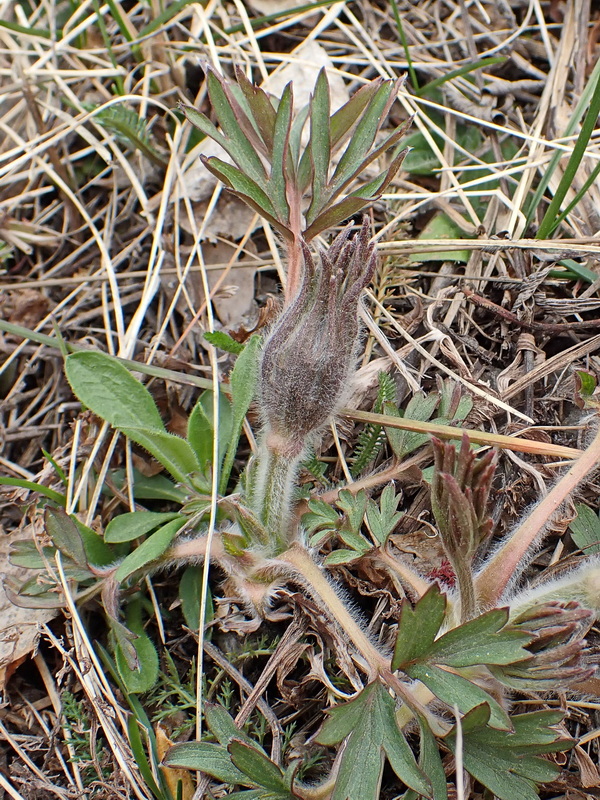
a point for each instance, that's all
(321, 515)
(210, 758)
(96, 550)
(383, 520)
(234, 178)
(224, 342)
(364, 135)
(333, 215)
(257, 766)
(441, 227)
(421, 407)
(108, 389)
(507, 763)
(355, 541)
(231, 120)
(222, 726)
(585, 529)
(354, 507)
(154, 487)
(260, 106)
(341, 556)
(252, 195)
(145, 676)
(344, 119)
(320, 144)
(418, 627)
(481, 641)
(150, 549)
(243, 381)
(56, 497)
(139, 753)
(174, 453)
(134, 524)
(190, 592)
(453, 689)
(277, 182)
(65, 534)
(24, 553)
(430, 762)
(369, 723)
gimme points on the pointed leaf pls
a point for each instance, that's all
(150, 549)
(344, 119)
(65, 534)
(418, 627)
(332, 216)
(213, 759)
(240, 182)
(453, 689)
(320, 144)
(133, 524)
(257, 766)
(230, 117)
(277, 182)
(260, 106)
(364, 135)
(243, 380)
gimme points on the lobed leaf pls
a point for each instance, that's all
(507, 763)
(368, 723)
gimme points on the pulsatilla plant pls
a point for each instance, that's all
(458, 654)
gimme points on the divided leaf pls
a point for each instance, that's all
(508, 763)
(369, 724)
(436, 662)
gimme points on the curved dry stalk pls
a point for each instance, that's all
(509, 560)
(518, 445)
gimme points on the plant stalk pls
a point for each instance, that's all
(322, 590)
(500, 570)
(273, 493)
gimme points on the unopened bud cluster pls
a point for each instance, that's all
(309, 356)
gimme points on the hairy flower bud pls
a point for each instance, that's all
(309, 356)
(558, 647)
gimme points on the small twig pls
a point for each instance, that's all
(508, 316)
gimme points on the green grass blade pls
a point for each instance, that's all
(587, 128)
(456, 73)
(590, 88)
(404, 40)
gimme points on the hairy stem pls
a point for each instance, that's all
(506, 562)
(466, 588)
(273, 493)
(322, 590)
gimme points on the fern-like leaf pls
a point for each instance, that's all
(372, 437)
